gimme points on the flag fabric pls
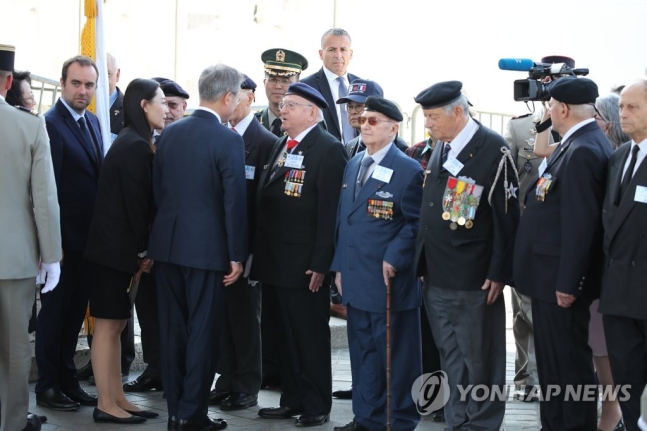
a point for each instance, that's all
(93, 46)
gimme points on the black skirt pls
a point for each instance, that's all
(109, 292)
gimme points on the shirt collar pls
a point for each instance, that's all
(242, 125)
(204, 108)
(576, 127)
(75, 114)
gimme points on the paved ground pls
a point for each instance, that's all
(519, 416)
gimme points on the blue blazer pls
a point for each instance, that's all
(319, 81)
(199, 190)
(364, 241)
(76, 169)
(559, 240)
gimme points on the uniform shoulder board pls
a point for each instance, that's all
(522, 116)
(23, 109)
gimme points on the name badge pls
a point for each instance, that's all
(453, 166)
(249, 172)
(641, 194)
(294, 161)
(542, 167)
(382, 174)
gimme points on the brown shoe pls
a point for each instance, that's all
(338, 310)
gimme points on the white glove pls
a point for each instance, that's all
(50, 272)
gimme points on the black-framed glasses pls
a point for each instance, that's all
(372, 121)
(291, 105)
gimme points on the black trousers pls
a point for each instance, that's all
(59, 322)
(300, 330)
(239, 365)
(627, 346)
(564, 359)
(148, 316)
(191, 310)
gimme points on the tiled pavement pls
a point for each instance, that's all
(519, 416)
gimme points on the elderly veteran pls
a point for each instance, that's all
(176, 99)
(377, 223)
(294, 246)
(468, 217)
(558, 253)
(282, 68)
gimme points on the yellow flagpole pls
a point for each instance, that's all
(88, 39)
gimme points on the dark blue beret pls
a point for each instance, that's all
(440, 94)
(576, 91)
(360, 89)
(7, 57)
(383, 106)
(308, 93)
(248, 84)
(171, 88)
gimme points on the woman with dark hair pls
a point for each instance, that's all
(20, 93)
(117, 243)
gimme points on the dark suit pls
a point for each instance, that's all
(455, 264)
(296, 234)
(117, 113)
(558, 248)
(624, 295)
(76, 168)
(363, 243)
(319, 81)
(240, 362)
(199, 228)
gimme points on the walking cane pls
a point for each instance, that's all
(388, 355)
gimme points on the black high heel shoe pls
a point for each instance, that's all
(103, 417)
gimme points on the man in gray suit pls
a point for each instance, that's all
(30, 228)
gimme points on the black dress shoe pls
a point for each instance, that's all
(216, 397)
(54, 399)
(238, 401)
(84, 372)
(343, 394)
(33, 423)
(42, 418)
(148, 414)
(101, 416)
(278, 412)
(205, 424)
(307, 420)
(142, 384)
(352, 426)
(271, 381)
(81, 397)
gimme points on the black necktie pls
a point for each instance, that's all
(446, 150)
(366, 162)
(630, 171)
(276, 127)
(88, 138)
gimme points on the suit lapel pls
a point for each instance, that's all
(324, 88)
(76, 131)
(249, 137)
(627, 201)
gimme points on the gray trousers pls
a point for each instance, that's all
(16, 299)
(470, 336)
(525, 363)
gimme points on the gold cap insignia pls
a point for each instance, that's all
(280, 56)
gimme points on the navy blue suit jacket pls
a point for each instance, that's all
(76, 169)
(363, 241)
(319, 81)
(199, 190)
(559, 241)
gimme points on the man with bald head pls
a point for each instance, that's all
(624, 296)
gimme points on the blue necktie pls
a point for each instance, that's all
(366, 162)
(347, 132)
(446, 150)
(88, 138)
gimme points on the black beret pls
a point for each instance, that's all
(171, 88)
(248, 84)
(308, 93)
(7, 57)
(552, 59)
(383, 106)
(283, 62)
(576, 91)
(440, 94)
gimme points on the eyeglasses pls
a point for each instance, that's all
(282, 81)
(291, 105)
(372, 121)
(354, 106)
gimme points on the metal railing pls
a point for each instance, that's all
(46, 91)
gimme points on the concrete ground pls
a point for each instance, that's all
(519, 415)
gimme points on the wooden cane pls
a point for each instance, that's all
(388, 355)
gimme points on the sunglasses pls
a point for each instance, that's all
(372, 121)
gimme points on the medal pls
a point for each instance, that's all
(453, 226)
(446, 215)
(461, 220)
(469, 224)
